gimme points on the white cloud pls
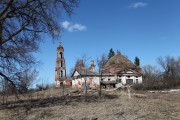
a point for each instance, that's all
(138, 5)
(65, 24)
(73, 27)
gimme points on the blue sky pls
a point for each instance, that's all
(144, 28)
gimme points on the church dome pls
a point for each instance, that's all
(119, 63)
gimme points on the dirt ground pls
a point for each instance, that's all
(112, 105)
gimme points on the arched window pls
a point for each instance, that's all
(58, 55)
(61, 64)
(61, 55)
(61, 74)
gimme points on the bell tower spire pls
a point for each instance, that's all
(60, 69)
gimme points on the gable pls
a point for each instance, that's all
(75, 74)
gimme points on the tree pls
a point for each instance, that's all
(150, 71)
(169, 66)
(151, 77)
(25, 79)
(22, 80)
(168, 77)
(102, 61)
(22, 22)
(137, 61)
(82, 62)
(171, 70)
(111, 53)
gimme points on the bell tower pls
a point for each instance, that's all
(60, 69)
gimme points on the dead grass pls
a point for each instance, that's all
(52, 92)
(112, 105)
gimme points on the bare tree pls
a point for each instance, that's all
(171, 73)
(85, 60)
(151, 78)
(101, 62)
(82, 61)
(42, 84)
(169, 65)
(25, 79)
(22, 23)
(3, 90)
(150, 71)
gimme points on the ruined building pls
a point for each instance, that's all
(60, 69)
(118, 71)
(82, 75)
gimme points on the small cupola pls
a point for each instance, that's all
(118, 52)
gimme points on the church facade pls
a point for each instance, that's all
(82, 76)
(121, 71)
(118, 71)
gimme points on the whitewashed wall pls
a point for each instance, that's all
(124, 78)
(92, 81)
(57, 83)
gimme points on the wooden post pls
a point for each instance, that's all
(63, 86)
(129, 91)
(85, 89)
(100, 87)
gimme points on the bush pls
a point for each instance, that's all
(137, 86)
(157, 84)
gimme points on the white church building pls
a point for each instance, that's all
(118, 70)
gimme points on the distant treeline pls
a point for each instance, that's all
(165, 77)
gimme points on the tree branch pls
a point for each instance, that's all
(12, 83)
(33, 30)
(6, 8)
(15, 33)
(2, 18)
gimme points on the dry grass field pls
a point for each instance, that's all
(112, 105)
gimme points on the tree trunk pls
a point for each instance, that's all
(85, 89)
(1, 29)
(3, 97)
